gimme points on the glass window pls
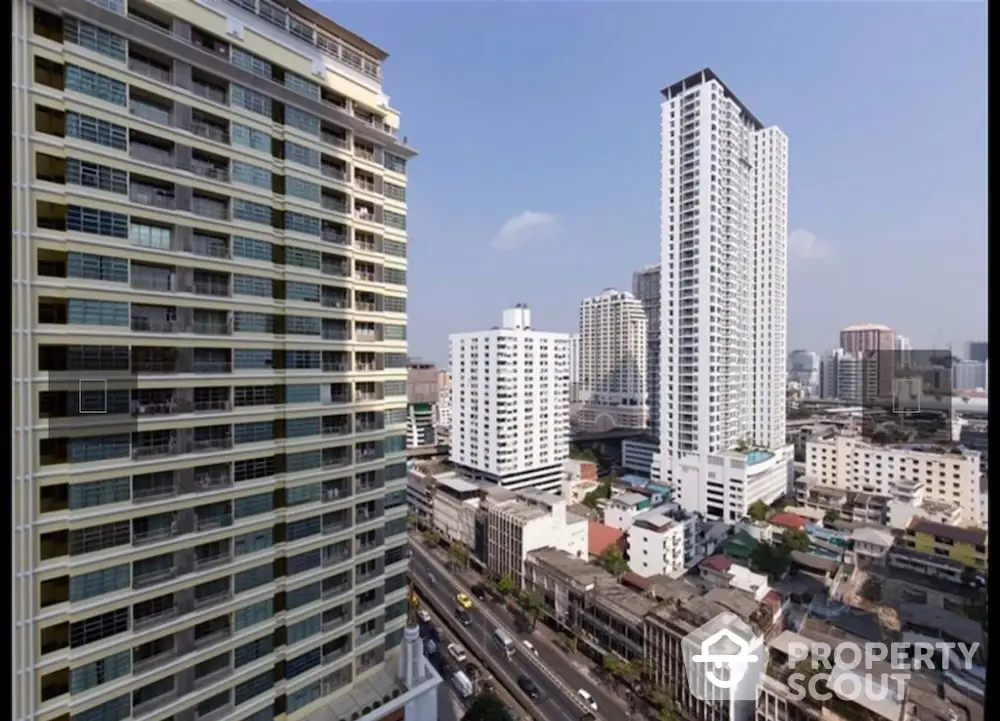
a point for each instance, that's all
(252, 359)
(244, 322)
(150, 236)
(252, 615)
(95, 85)
(117, 709)
(248, 61)
(394, 163)
(93, 674)
(300, 223)
(302, 427)
(252, 249)
(251, 137)
(301, 86)
(303, 325)
(395, 388)
(254, 687)
(308, 292)
(251, 212)
(295, 153)
(250, 100)
(253, 505)
(394, 220)
(305, 461)
(301, 120)
(97, 222)
(302, 394)
(253, 578)
(95, 130)
(251, 175)
(394, 248)
(395, 416)
(99, 493)
(259, 432)
(97, 267)
(298, 188)
(253, 542)
(99, 583)
(96, 312)
(394, 304)
(394, 276)
(302, 257)
(253, 285)
(99, 448)
(394, 192)
(93, 38)
(99, 177)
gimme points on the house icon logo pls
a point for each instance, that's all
(724, 660)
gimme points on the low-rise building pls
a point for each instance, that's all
(724, 485)
(518, 522)
(656, 543)
(871, 544)
(621, 510)
(637, 455)
(967, 546)
(600, 538)
(945, 473)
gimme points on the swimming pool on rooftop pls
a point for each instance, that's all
(755, 457)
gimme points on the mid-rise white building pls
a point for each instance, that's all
(510, 403)
(724, 297)
(524, 521)
(612, 386)
(656, 544)
(574, 368)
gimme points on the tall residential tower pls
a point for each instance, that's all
(724, 263)
(510, 403)
(646, 285)
(209, 365)
(612, 363)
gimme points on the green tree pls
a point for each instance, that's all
(458, 554)
(432, 537)
(568, 641)
(532, 604)
(758, 511)
(796, 540)
(506, 586)
(612, 561)
(612, 665)
(773, 561)
(831, 516)
(487, 707)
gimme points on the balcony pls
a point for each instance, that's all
(209, 523)
(152, 196)
(209, 130)
(151, 578)
(151, 154)
(151, 70)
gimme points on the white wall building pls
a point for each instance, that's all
(510, 403)
(637, 455)
(724, 298)
(646, 284)
(612, 391)
(803, 369)
(656, 544)
(518, 523)
(621, 511)
(730, 482)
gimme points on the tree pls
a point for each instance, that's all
(506, 586)
(487, 707)
(612, 560)
(831, 516)
(532, 604)
(773, 561)
(612, 665)
(432, 537)
(758, 511)
(796, 540)
(458, 553)
(568, 641)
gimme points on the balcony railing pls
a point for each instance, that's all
(207, 130)
(141, 67)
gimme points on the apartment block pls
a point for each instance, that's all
(724, 231)
(944, 474)
(656, 543)
(613, 386)
(209, 369)
(646, 286)
(510, 403)
(967, 546)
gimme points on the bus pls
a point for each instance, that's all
(505, 642)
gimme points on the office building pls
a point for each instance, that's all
(877, 343)
(422, 397)
(849, 377)
(968, 375)
(646, 285)
(612, 391)
(803, 369)
(724, 294)
(510, 403)
(209, 369)
(977, 350)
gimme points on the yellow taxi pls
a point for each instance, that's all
(464, 601)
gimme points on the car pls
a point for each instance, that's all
(463, 616)
(463, 600)
(479, 591)
(423, 616)
(529, 687)
(457, 652)
(530, 647)
(588, 699)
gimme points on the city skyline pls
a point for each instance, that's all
(590, 208)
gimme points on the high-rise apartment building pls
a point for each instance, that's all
(724, 298)
(510, 403)
(646, 287)
(803, 368)
(612, 363)
(849, 377)
(209, 367)
(422, 395)
(574, 375)
(878, 343)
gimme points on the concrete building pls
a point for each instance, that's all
(878, 344)
(904, 350)
(734, 481)
(574, 372)
(510, 403)
(422, 396)
(621, 511)
(444, 501)
(637, 455)
(977, 350)
(724, 296)
(970, 375)
(612, 385)
(209, 364)
(517, 523)
(646, 285)
(908, 474)
(849, 377)
(656, 543)
(803, 369)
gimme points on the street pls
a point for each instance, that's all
(559, 697)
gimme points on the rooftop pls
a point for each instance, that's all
(629, 499)
(972, 536)
(599, 537)
(788, 520)
(655, 520)
(696, 610)
(456, 483)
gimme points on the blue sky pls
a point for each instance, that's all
(552, 110)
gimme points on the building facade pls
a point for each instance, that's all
(877, 344)
(977, 350)
(510, 403)
(646, 284)
(209, 379)
(612, 363)
(422, 397)
(724, 262)
(803, 368)
(970, 375)
(849, 377)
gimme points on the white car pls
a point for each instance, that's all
(588, 699)
(530, 648)
(456, 652)
(423, 616)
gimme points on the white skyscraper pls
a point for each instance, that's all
(724, 264)
(612, 389)
(510, 403)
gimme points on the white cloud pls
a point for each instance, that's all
(524, 228)
(806, 246)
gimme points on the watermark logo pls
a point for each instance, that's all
(724, 660)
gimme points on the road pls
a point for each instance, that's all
(556, 702)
